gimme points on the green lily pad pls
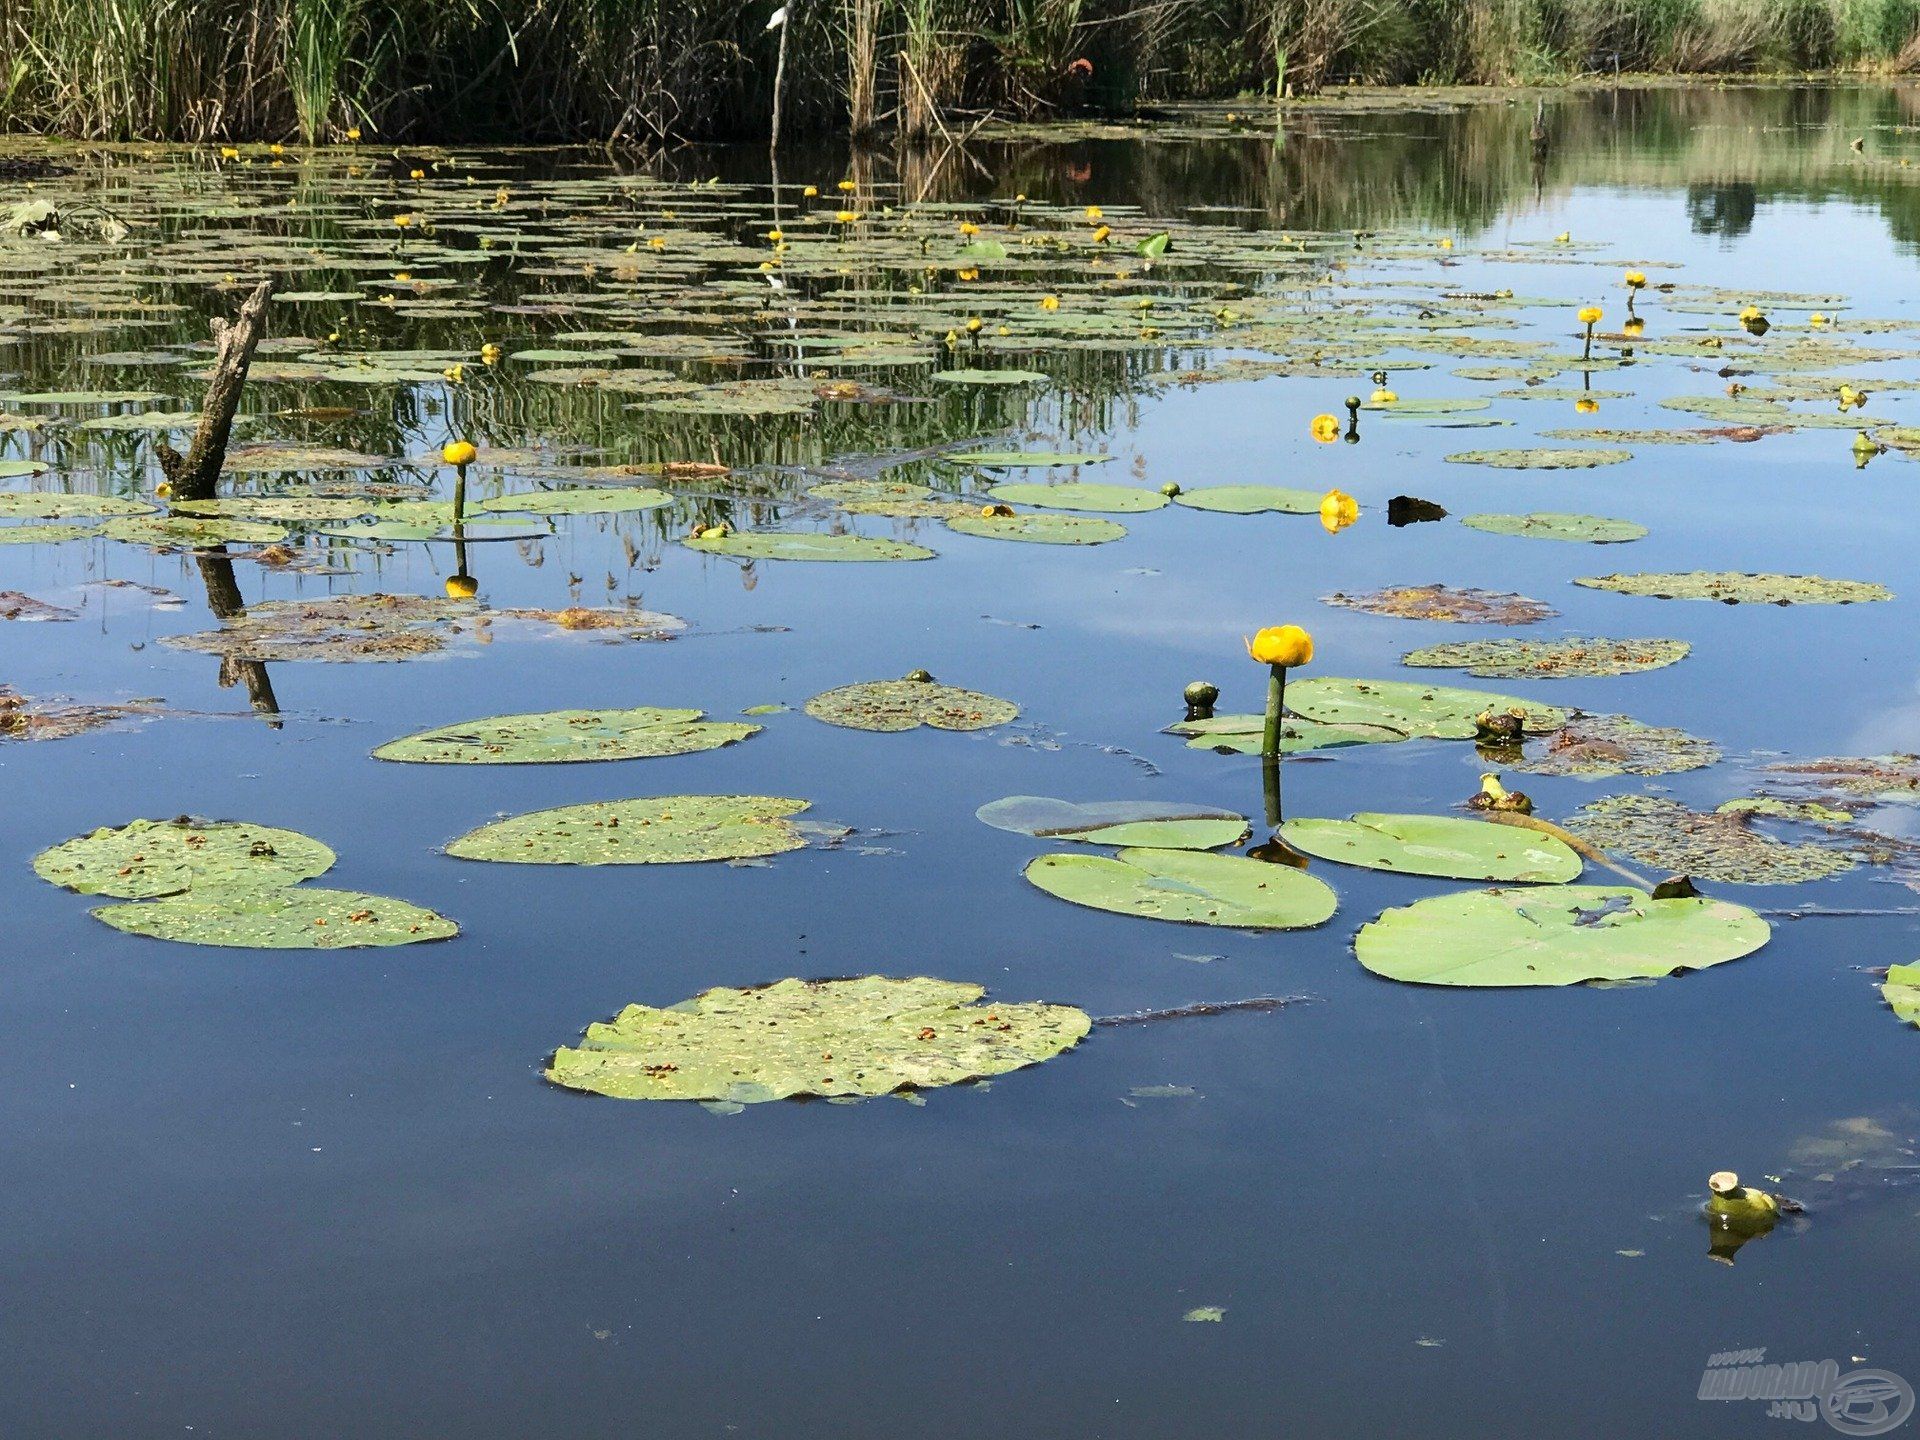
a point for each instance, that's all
(44, 505)
(44, 534)
(1542, 458)
(1591, 746)
(1550, 525)
(1039, 529)
(806, 545)
(605, 501)
(1251, 500)
(183, 530)
(654, 830)
(1710, 846)
(867, 1036)
(1155, 824)
(1554, 935)
(554, 737)
(1433, 405)
(276, 457)
(1440, 712)
(989, 377)
(147, 858)
(1549, 659)
(894, 705)
(1901, 990)
(1443, 845)
(17, 469)
(1192, 887)
(888, 497)
(334, 628)
(1244, 734)
(299, 917)
(1082, 495)
(1036, 459)
(1733, 587)
(277, 507)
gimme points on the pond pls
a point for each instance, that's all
(320, 1186)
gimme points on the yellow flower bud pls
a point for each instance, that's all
(1590, 314)
(1284, 645)
(1636, 279)
(458, 452)
(1325, 428)
(1338, 510)
(462, 587)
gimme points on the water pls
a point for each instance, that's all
(310, 1194)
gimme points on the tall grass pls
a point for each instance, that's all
(659, 70)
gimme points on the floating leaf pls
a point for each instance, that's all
(45, 505)
(1733, 587)
(989, 377)
(1039, 529)
(1442, 712)
(336, 628)
(1551, 525)
(806, 545)
(1443, 602)
(1554, 935)
(1713, 846)
(277, 507)
(1244, 734)
(895, 705)
(1192, 887)
(297, 918)
(1082, 495)
(182, 530)
(887, 497)
(1442, 845)
(147, 858)
(1590, 746)
(1156, 824)
(866, 1036)
(655, 830)
(604, 501)
(1871, 778)
(1549, 659)
(565, 736)
(1250, 500)
(1542, 459)
(44, 534)
(1902, 991)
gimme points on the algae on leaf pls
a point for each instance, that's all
(1732, 587)
(894, 705)
(1191, 887)
(1441, 845)
(1549, 659)
(805, 545)
(298, 917)
(1715, 845)
(1444, 602)
(147, 858)
(1591, 746)
(1441, 712)
(1552, 525)
(653, 830)
(1542, 459)
(859, 1037)
(1554, 935)
(565, 736)
(1039, 529)
(1081, 495)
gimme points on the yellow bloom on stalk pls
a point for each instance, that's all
(1446, 242)
(456, 373)
(353, 132)
(229, 152)
(657, 242)
(1100, 234)
(403, 221)
(1816, 320)
(1093, 212)
(276, 149)
(1283, 645)
(1338, 510)
(847, 217)
(490, 354)
(462, 587)
(1634, 326)
(1636, 279)
(847, 187)
(1590, 314)
(966, 274)
(776, 235)
(967, 227)
(1586, 405)
(973, 324)
(1382, 396)
(812, 192)
(1563, 237)
(1049, 302)
(1325, 428)
(458, 452)
(403, 276)
(416, 174)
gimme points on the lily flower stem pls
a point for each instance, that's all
(1270, 784)
(1587, 354)
(1276, 700)
(459, 494)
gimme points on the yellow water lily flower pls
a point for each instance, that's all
(456, 373)
(812, 192)
(966, 274)
(1100, 234)
(1093, 212)
(416, 174)
(973, 324)
(462, 587)
(490, 354)
(1446, 242)
(1325, 428)
(403, 221)
(229, 152)
(1383, 396)
(1586, 405)
(656, 242)
(1338, 510)
(1852, 399)
(1816, 320)
(458, 452)
(846, 217)
(1049, 302)
(1636, 279)
(1285, 645)
(847, 187)
(353, 132)
(1563, 237)
(276, 149)
(1590, 315)
(967, 227)
(1634, 326)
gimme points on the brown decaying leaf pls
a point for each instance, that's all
(1444, 602)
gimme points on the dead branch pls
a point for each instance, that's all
(195, 476)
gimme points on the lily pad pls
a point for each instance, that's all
(1156, 824)
(299, 917)
(1715, 845)
(376, 627)
(1543, 458)
(654, 830)
(1082, 495)
(1194, 888)
(989, 377)
(1901, 990)
(1244, 734)
(1733, 587)
(1549, 659)
(144, 859)
(867, 1036)
(1552, 525)
(1554, 935)
(1444, 602)
(1443, 845)
(47, 505)
(1590, 746)
(604, 501)
(1251, 500)
(44, 534)
(895, 705)
(887, 497)
(566, 736)
(277, 507)
(183, 530)
(806, 545)
(1039, 529)
(1872, 778)
(1441, 712)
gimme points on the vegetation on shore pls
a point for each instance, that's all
(640, 71)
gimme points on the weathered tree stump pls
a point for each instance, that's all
(195, 475)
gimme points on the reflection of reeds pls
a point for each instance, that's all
(645, 69)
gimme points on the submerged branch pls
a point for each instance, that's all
(1215, 1007)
